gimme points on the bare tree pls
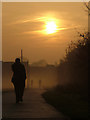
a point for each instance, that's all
(87, 7)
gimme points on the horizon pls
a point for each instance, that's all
(35, 62)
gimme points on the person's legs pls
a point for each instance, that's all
(22, 86)
(21, 93)
(17, 93)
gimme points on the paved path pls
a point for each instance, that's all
(33, 106)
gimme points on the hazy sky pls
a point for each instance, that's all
(42, 30)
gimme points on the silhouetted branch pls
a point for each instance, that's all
(88, 8)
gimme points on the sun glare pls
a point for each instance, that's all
(51, 27)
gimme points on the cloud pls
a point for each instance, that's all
(37, 25)
(29, 20)
(44, 31)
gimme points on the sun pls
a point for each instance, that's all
(51, 27)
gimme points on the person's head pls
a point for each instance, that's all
(17, 60)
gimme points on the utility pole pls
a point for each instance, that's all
(21, 55)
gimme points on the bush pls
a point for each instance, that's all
(73, 69)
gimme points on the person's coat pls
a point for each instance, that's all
(19, 74)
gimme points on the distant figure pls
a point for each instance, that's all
(18, 79)
(39, 83)
(31, 83)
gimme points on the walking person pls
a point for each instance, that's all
(18, 79)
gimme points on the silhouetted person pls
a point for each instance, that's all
(18, 79)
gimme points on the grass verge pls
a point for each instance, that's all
(71, 103)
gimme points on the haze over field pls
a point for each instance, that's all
(42, 30)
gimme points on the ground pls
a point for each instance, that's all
(33, 106)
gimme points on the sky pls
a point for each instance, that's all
(41, 30)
